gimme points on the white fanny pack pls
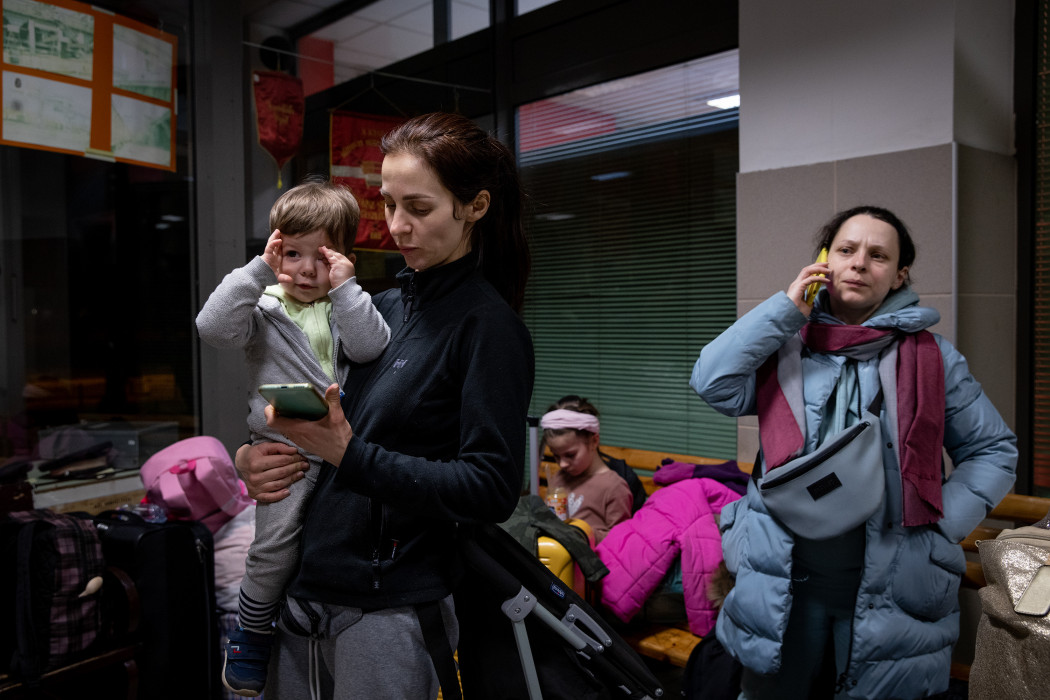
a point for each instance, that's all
(835, 488)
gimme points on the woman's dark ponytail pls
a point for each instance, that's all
(468, 160)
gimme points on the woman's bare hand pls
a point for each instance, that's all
(268, 469)
(815, 272)
(327, 438)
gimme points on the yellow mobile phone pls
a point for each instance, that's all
(296, 400)
(810, 295)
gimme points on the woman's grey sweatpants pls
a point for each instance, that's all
(378, 655)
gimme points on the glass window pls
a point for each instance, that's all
(633, 233)
(469, 16)
(530, 5)
(96, 299)
(379, 34)
(388, 31)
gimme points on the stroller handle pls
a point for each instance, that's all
(504, 584)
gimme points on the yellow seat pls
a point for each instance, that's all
(557, 559)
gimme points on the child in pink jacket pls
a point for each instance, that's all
(680, 519)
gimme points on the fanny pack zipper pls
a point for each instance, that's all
(840, 442)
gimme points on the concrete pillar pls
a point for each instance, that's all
(906, 105)
(219, 168)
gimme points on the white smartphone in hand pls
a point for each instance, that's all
(302, 400)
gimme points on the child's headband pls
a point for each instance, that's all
(564, 418)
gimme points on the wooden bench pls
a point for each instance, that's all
(664, 643)
(673, 644)
(1013, 511)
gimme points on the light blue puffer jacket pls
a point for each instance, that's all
(906, 617)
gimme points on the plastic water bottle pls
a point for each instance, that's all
(558, 501)
(150, 512)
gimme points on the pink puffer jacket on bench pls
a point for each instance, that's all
(679, 518)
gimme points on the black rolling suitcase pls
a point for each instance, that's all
(173, 567)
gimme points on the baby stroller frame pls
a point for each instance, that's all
(528, 590)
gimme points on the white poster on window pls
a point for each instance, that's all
(46, 112)
(48, 38)
(141, 63)
(141, 131)
(82, 80)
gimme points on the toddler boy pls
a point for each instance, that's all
(300, 329)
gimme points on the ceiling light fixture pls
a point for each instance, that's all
(725, 102)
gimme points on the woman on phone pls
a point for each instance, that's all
(429, 436)
(871, 612)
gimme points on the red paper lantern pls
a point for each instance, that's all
(279, 106)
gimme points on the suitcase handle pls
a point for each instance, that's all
(124, 516)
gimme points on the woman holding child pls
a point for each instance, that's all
(428, 436)
(876, 603)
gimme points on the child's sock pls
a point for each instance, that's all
(256, 616)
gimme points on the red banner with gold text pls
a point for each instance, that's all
(355, 163)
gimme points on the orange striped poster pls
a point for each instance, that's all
(356, 162)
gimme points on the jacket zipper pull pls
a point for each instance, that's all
(375, 568)
(410, 298)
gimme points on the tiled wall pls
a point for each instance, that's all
(986, 279)
(958, 203)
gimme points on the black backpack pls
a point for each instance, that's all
(711, 673)
(50, 591)
(619, 466)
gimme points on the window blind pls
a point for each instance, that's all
(633, 231)
(1041, 306)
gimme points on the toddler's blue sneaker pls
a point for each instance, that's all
(247, 657)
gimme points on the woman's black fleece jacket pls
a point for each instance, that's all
(439, 422)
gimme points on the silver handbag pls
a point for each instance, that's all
(835, 488)
(1012, 657)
